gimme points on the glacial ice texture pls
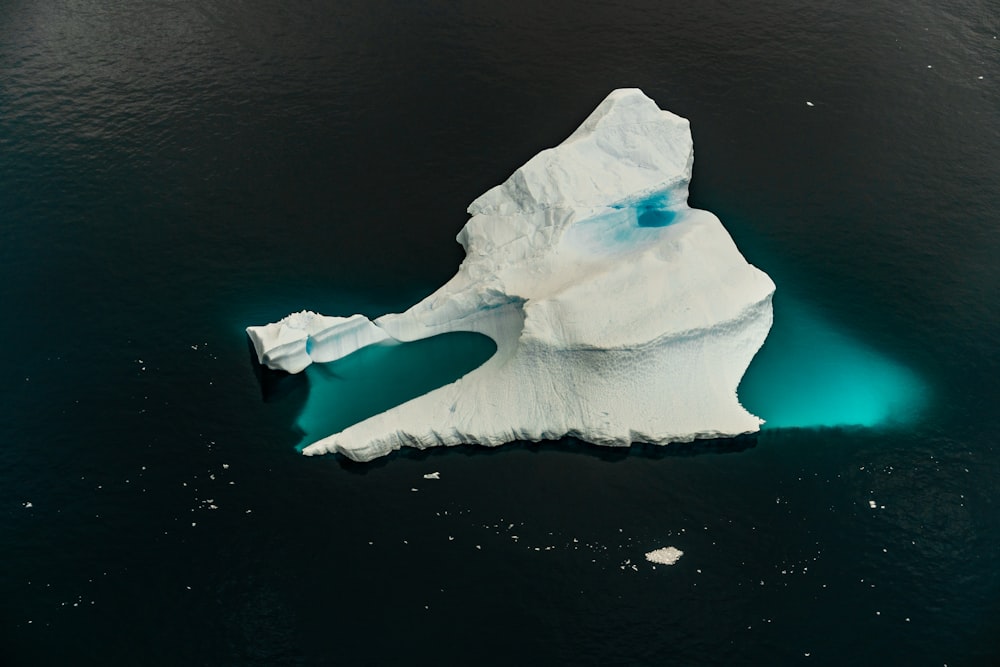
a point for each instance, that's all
(620, 314)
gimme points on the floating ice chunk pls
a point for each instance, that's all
(810, 104)
(296, 341)
(432, 475)
(665, 556)
(620, 314)
(872, 504)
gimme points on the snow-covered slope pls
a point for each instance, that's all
(620, 314)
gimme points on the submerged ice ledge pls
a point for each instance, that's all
(620, 314)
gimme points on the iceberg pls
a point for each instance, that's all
(620, 314)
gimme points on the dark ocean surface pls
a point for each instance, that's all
(171, 172)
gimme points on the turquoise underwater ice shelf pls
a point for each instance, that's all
(379, 377)
(811, 374)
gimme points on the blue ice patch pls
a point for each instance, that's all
(656, 210)
(627, 224)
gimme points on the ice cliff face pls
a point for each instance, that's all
(620, 314)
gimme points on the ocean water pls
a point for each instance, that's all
(172, 172)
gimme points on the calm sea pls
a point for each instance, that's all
(172, 172)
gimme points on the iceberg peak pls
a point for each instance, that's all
(620, 314)
(628, 147)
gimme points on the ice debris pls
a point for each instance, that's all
(664, 556)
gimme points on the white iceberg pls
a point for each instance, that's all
(620, 314)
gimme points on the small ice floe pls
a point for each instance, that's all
(872, 504)
(665, 556)
(809, 104)
(432, 475)
(28, 505)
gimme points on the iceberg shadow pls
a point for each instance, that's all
(567, 445)
(275, 385)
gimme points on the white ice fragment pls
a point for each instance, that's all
(872, 504)
(810, 104)
(620, 314)
(665, 556)
(28, 505)
(432, 475)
